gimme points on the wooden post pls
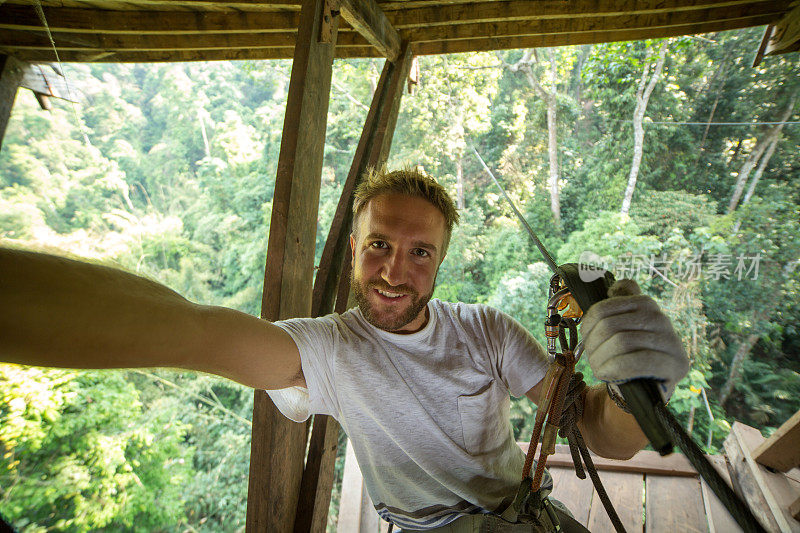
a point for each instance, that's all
(781, 451)
(11, 72)
(278, 445)
(372, 150)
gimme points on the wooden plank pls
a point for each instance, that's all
(43, 80)
(544, 9)
(645, 462)
(39, 40)
(278, 445)
(11, 73)
(573, 492)
(625, 490)
(768, 494)
(33, 40)
(174, 5)
(595, 37)
(574, 25)
(673, 504)
(786, 34)
(794, 509)
(315, 487)
(163, 22)
(718, 518)
(388, 120)
(781, 451)
(47, 56)
(369, 20)
(356, 512)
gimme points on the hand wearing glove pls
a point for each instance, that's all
(627, 337)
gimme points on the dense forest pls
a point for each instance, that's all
(674, 162)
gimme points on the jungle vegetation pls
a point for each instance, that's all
(673, 161)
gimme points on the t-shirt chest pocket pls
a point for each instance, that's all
(482, 419)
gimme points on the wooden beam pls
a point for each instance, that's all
(644, 462)
(16, 17)
(369, 20)
(11, 72)
(44, 81)
(314, 501)
(97, 42)
(781, 451)
(786, 34)
(214, 5)
(595, 37)
(45, 56)
(545, 9)
(278, 445)
(794, 509)
(572, 25)
(75, 41)
(769, 495)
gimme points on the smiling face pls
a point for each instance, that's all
(397, 245)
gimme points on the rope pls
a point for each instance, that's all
(40, 13)
(571, 414)
(567, 391)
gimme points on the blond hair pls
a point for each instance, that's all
(409, 182)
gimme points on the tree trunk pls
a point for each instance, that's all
(552, 146)
(736, 366)
(756, 154)
(642, 97)
(722, 71)
(760, 170)
(459, 183)
(201, 118)
(551, 101)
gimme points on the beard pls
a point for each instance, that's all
(380, 320)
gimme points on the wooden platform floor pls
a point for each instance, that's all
(651, 494)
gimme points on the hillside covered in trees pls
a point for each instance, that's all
(673, 162)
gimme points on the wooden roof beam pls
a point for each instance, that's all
(16, 17)
(481, 12)
(173, 56)
(369, 20)
(772, 11)
(785, 36)
(591, 37)
(39, 40)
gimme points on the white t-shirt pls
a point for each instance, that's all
(427, 413)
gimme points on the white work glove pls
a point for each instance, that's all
(627, 337)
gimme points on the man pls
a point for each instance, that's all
(420, 386)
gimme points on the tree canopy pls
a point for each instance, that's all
(168, 170)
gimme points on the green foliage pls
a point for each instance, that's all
(170, 174)
(80, 454)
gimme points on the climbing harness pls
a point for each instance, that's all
(641, 395)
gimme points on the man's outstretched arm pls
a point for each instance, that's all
(58, 312)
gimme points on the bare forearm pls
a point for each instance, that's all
(62, 313)
(59, 312)
(608, 430)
